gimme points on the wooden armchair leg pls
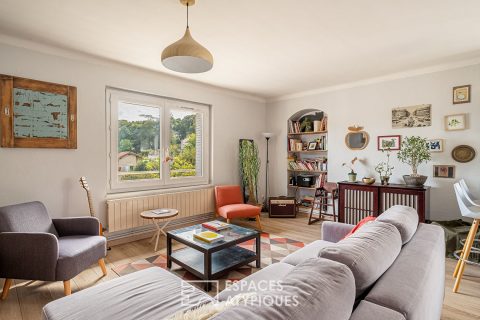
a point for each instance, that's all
(67, 289)
(258, 222)
(101, 263)
(6, 288)
(228, 220)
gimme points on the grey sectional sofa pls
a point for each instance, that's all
(390, 269)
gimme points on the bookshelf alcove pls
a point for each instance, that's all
(307, 148)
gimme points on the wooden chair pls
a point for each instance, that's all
(329, 191)
(470, 209)
(229, 204)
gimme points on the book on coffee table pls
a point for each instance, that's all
(216, 225)
(208, 236)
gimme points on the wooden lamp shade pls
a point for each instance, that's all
(187, 56)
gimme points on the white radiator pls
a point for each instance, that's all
(124, 214)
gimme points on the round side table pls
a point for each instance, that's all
(156, 217)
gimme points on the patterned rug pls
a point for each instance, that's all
(273, 249)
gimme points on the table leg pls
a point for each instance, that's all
(158, 232)
(169, 251)
(207, 270)
(258, 245)
(164, 226)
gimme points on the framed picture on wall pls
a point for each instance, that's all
(412, 116)
(461, 94)
(444, 171)
(37, 114)
(388, 143)
(456, 122)
(435, 145)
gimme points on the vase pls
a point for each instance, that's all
(384, 180)
(352, 177)
(416, 181)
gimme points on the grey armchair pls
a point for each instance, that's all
(35, 247)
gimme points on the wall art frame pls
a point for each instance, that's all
(37, 114)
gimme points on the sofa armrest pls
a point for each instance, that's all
(335, 231)
(28, 255)
(77, 226)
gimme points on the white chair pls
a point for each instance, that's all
(468, 194)
(470, 210)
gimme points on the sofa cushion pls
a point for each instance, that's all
(313, 288)
(256, 281)
(153, 293)
(26, 217)
(414, 284)
(404, 218)
(232, 211)
(311, 250)
(368, 253)
(360, 224)
(76, 253)
(367, 310)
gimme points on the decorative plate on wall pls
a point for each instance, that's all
(463, 153)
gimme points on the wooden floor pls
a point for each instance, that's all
(27, 298)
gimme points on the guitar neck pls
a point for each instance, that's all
(90, 203)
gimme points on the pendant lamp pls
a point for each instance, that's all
(187, 55)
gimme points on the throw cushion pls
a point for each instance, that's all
(368, 253)
(314, 287)
(404, 218)
(361, 223)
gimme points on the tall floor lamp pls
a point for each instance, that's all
(267, 136)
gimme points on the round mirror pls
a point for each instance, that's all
(356, 140)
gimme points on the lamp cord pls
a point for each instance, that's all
(187, 14)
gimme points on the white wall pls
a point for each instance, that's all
(51, 175)
(370, 106)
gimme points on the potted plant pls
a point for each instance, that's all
(249, 168)
(352, 175)
(414, 152)
(384, 169)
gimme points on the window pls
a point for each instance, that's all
(156, 142)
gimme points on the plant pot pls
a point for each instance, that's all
(352, 177)
(384, 180)
(417, 181)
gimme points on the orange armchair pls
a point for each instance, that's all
(229, 204)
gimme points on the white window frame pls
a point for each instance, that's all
(165, 105)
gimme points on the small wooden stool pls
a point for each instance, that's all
(321, 201)
(156, 217)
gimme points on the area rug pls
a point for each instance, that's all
(273, 249)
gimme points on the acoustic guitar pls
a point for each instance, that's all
(84, 184)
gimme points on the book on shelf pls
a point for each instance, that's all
(296, 145)
(208, 236)
(314, 164)
(294, 126)
(216, 225)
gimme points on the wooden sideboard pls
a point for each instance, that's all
(357, 200)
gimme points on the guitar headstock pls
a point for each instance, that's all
(84, 183)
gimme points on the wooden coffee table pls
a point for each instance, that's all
(212, 261)
(156, 217)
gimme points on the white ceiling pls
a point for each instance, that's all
(267, 48)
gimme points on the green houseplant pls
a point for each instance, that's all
(384, 169)
(249, 168)
(414, 152)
